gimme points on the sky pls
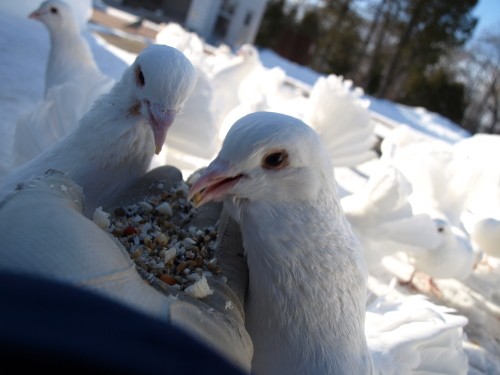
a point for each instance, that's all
(488, 12)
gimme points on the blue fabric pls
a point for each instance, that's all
(45, 325)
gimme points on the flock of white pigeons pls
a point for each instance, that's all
(325, 257)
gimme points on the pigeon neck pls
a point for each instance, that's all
(111, 117)
(69, 56)
(118, 146)
(306, 300)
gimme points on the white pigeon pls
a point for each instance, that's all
(218, 57)
(305, 306)
(115, 141)
(339, 113)
(382, 218)
(261, 91)
(190, 44)
(441, 183)
(227, 81)
(72, 83)
(334, 108)
(453, 258)
(70, 53)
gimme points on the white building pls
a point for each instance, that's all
(233, 22)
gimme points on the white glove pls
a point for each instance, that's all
(45, 234)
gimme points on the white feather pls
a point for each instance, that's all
(383, 219)
(340, 115)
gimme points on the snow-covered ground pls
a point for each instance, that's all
(25, 46)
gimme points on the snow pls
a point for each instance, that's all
(22, 70)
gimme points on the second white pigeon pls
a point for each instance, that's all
(73, 81)
(115, 141)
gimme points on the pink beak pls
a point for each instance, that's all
(215, 181)
(160, 120)
(35, 15)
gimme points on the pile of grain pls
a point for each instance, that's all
(160, 240)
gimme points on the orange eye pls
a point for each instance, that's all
(275, 160)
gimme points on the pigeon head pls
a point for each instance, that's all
(55, 15)
(161, 78)
(451, 235)
(267, 157)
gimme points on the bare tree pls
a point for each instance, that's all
(481, 73)
(404, 39)
(379, 8)
(423, 31)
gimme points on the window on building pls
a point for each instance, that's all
(221, 27)
(248, 19)
(224, 18)
(228, 7)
